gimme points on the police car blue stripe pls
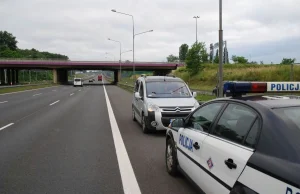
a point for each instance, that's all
(204, 169)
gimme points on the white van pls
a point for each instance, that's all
(78, 82)
(157, 100)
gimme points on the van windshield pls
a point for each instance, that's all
(165, 89)
(77, 80)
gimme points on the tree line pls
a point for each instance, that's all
(9, 49)
(196, 56)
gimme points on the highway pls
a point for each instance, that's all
(69, 139)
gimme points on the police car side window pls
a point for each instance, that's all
(204, 116)
(235, 123)
(250, 141)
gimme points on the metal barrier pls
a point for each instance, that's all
(23, 85)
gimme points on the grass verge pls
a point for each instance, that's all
(23, 88)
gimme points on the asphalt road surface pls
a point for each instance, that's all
(69, 139)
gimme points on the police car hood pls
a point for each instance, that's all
(164, 102)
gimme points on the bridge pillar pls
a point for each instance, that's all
(8, 74)
(116, 76)
(60, 76)
(13, 76)
(17, 76)
(2, 76)
(55, 76)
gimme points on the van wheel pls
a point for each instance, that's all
(144, 126)
(170, 157)
(133, 115)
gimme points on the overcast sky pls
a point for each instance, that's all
(265, 30)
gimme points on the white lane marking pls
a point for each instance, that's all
(79, 90)
(3, 102)
(72, 94)
(27, 90)
(6, 126)
(53, 90)
(53, 103)
(37, 94)
(130, 184)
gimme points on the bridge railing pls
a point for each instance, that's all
(127, 62)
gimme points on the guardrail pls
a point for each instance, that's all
(193, 90)
(23, 85)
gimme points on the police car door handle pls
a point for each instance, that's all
(230, 164)
(196, 146)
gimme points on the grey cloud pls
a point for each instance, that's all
(80, 29)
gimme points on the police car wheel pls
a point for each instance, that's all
(133, 115)
(144, 126)
(171, 160)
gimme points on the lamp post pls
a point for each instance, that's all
(113, 10)
(196, 17)
(133, 35)
(120, 51)
(220, 51)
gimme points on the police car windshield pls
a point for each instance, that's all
(290, 115)
(77, 80)
(165, 89)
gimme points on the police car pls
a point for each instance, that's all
(240, 144)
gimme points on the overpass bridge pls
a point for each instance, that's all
(10, 68)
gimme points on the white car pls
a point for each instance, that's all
(157, 100)
(241, 144)
(78, 82)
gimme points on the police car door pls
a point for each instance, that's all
(191, 137)
(227, 149)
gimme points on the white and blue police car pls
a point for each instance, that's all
(241, 144)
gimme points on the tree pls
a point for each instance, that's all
(196, 56)
(172, 58)
(183, 49)
(239, 59)
(7, 40)
(261, 62)
(287, 61)
(216, 60)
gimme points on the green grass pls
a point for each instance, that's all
(202, 97)
(18, 89)
(207, 78)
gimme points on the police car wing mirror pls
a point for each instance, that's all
(194, 94)
(137, 95)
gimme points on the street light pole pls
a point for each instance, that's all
(113, 10)
(220, 51)
(120, 54)
(196, 17)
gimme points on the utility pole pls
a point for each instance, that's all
(220, 51)
(196, 17)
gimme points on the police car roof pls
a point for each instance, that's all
(272, 101)
(161, 78)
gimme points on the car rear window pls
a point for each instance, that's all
(77, 80)
(290, 115)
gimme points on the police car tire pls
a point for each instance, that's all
(173, 171)
(144, 126)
